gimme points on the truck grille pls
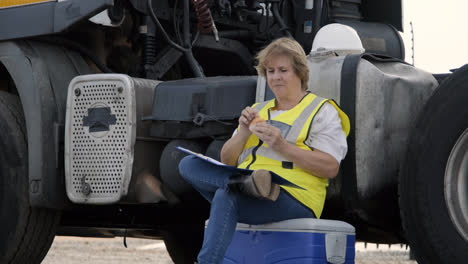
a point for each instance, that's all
(100, 136)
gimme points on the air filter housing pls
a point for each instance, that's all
(101, 127)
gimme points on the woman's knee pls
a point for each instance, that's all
(186, 165)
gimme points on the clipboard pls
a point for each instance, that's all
(274, 177)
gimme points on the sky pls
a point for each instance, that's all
(440, 33)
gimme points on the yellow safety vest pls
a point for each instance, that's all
(295, 126)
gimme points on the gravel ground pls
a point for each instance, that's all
(78, 250)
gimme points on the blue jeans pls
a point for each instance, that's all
(228, 208)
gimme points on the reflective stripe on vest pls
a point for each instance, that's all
(246, 153)
(300, 121)
(259, 106)
(291, 136)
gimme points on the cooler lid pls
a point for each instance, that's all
(302, 225)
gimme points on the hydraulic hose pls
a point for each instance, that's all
(156, 21)
(318, 16)
(280, 21)
(203, 13)
(187, 43)
(188, 47)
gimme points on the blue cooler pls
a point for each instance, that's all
(295, 241)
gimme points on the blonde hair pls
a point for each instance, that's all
(290, 48)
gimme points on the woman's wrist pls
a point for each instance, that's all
(282, 146)
(244, 134)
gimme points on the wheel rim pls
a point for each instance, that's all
(456, 185)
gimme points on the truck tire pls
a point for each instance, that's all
(26, 233)
(433, 184)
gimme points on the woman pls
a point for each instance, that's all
(303, 140)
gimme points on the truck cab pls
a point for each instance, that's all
(96, 94)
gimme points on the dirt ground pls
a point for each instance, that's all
(77, 250)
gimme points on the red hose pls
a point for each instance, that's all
(205, 21)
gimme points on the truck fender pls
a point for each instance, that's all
(41, 73)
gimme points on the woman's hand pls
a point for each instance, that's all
(247, 115)
(234, 146)
(270, 135)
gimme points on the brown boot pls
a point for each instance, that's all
(257, 185)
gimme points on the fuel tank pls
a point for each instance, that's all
(388, 96)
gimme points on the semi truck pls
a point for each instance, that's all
(96, 94)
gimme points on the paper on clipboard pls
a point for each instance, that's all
(274, 177)
(201, 156)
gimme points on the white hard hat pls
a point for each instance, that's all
(339, 38)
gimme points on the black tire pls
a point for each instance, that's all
(214, 149)
(169, 165)
(26, 233)
(183, 243)
(427, 221)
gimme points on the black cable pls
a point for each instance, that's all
(186, 25)
(318, 16)
(281, 7)
(195, 38)
(176, 22)
(188, 50)
(156, 21)
(79, 48)
(177, 29)
(285, 11)
(326, 12)
(267, 18)
(197, 71)
(294, 11)
(280, 21)
(259, 30)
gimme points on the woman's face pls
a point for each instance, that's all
(281, 76)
